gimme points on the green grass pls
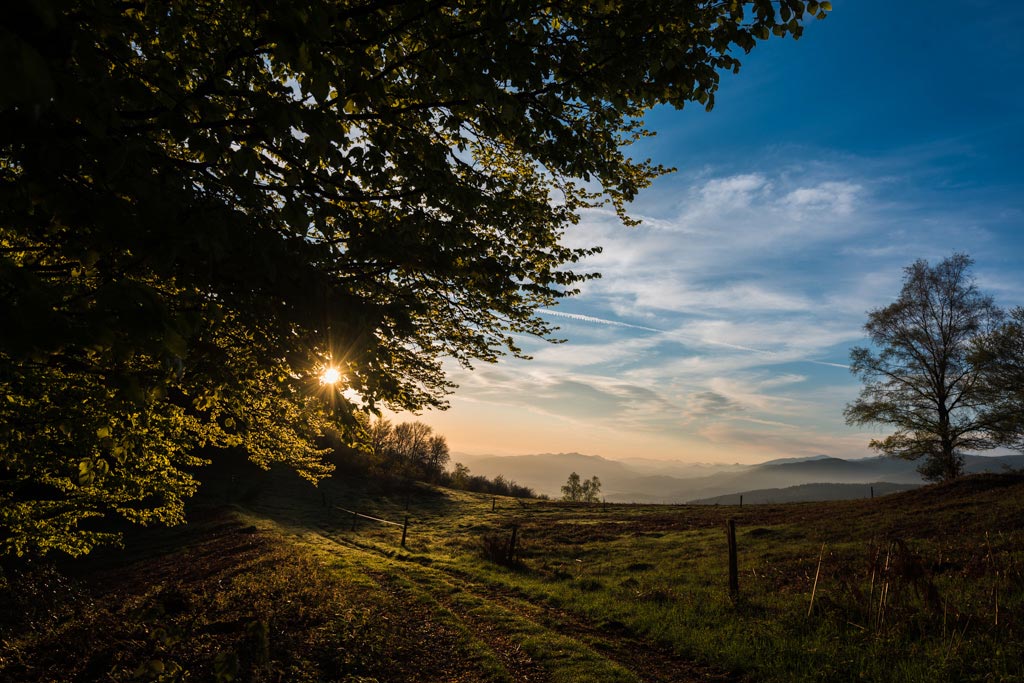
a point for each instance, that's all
(921, 586)
(659, 572)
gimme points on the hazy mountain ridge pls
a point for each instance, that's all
(679, 482)
(803, 493)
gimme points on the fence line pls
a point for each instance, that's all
(356, 515)
(375, 519)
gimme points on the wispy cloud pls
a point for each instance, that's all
(720, 323)
(838, 197)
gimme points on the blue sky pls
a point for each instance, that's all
(721, 326)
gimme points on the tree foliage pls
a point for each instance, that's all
(1001, 355)
(204, 203)
(578, 490)
(922, 376)
(408, 449)
(460, 478)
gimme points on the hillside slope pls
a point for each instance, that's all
(277, 580)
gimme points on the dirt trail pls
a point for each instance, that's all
(457, 594)
(520, 666)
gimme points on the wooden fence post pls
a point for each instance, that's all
(405, 528)
(814, 588)
(741, 501)
(512, 544)
(355, 516)
(494, 504)
(734, 581)
(872, 491)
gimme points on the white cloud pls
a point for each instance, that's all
(838, 197)
(731, 192)
(721, 324)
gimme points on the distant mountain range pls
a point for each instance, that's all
(653, 481)
(805, 493)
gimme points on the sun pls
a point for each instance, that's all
(330, 376)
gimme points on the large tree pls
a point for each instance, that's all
(1001, 355)
(921, 376)
(204, 203)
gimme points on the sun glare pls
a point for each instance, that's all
(330, 376)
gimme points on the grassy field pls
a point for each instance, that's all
(271, 583)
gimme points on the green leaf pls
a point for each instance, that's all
(86, 473)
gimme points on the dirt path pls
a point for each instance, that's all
(647, 661)
(507, 622)
(519, 665)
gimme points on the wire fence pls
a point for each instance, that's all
(357, 515)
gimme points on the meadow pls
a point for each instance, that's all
(271, 583)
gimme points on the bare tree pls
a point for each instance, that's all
(380, 442)
(921, 377)
(1001, 355)
(437, 458)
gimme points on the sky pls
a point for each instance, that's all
(721, 328)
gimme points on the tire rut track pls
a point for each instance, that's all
(648, 661)
(517, 663)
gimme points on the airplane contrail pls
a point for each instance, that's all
(833, 365)
(592, 319)
(727, 345)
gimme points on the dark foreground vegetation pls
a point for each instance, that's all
(269, 582)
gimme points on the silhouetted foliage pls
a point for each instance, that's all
(460, 478)
(1001, 355)
(413, 451)
(581, 491)
(204, 203)
(409, 449)
(923, 379)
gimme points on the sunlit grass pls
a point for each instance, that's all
(629, 566)
(628, 593)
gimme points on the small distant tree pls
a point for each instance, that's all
(460, 476)
(379, 443)
(438, 455)
(500, 485)
(572, 491)
(578, 490)
(922, 377)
